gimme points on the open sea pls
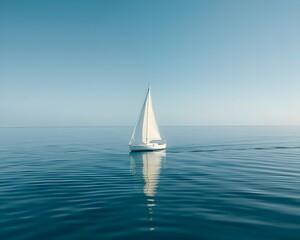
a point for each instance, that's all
(210, 183)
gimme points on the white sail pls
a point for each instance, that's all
(146, 129)
(153, 131)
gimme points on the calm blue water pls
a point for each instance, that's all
(211, 183)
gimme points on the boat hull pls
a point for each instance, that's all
(147, 147)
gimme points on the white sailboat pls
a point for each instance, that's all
(146, 135)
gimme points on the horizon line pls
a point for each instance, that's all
(91, 126)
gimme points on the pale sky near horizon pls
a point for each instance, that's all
(87, 63)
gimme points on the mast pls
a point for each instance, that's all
(147, 126)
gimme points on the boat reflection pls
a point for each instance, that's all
(149, 164)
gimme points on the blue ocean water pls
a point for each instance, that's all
(211, 183)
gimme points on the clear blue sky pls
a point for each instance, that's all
(209, 62)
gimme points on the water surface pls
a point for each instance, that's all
(211, 183)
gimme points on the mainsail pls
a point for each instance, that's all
(146, 129)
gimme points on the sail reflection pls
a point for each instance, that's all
(151, 170)
(148, 164)
(151, 165)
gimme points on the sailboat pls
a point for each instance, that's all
(146, 135)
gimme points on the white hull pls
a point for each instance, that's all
(147, 147)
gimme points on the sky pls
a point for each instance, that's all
(209, 62)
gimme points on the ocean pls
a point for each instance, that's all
(210, 183)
